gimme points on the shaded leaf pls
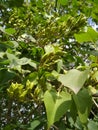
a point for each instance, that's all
(31, 77)
(39, 4)
(15, 3)
(73, 110)
(5, 76)
(83, 103)
(34, 124)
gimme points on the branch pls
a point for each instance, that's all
(95, 103)
(9, 110)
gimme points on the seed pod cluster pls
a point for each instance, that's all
(20, 22)
(23, 93)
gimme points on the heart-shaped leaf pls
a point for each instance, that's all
(56, 105)
(74, 79)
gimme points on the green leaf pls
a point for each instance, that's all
(74, 79)
(2, 54)
(26, 38)
(4, 62)
(34, 124)
(5, 76)
(15, 3)
(83, 103)
(73, 110)
(95, 76)
(63, 2)
(94, 53)
(96, 2)
(1, 29)
(24, 61)
(33, 64)
(31, 77)
(39, 3)
(13, 60)
(59, 65)
(11, 44)
(17, 63)
(92, 125)
(6, 44)
(10, 31)
(90, 35)
(56, 105)
(7, 127)
(14, 44)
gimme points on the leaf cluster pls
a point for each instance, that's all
(48, 65)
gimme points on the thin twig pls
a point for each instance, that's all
(93, 113)
(55, 127)
(95, 103)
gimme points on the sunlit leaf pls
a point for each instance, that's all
(63, 2)
(95, 76)
(92, 125)
(10, 31)
(2, 54)
(26, 38)
(90, 35)
(17, 63)
(74, 79)
(56, 105)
